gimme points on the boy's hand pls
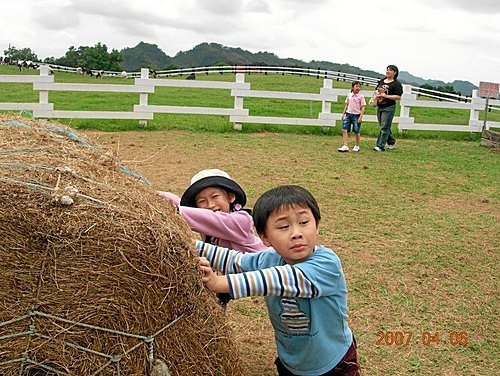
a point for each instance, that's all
(205, 269)
(214, 282)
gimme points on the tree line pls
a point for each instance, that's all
(146, 55)
(97, 57)
(444, 89)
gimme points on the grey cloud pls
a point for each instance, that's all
(221, 7)
(305, 3)
(473, 6)
(258, 6)
(119, 12)
(472, 41)
(56, 19)
(133, 21)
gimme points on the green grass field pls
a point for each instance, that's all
(417, 228)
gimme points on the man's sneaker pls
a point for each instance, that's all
(390, 147)
(355, 148)
(343, 149)
(376, 148)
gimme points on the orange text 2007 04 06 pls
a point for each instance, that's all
(426, 338)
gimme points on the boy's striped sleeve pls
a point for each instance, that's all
(223, 259)
(283, 280)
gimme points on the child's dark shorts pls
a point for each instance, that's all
(348, 365)
(351, 119)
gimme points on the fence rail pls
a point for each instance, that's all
(239, 89)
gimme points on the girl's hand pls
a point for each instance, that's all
(171, 197)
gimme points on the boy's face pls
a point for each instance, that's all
(292, 231)
(215, 199)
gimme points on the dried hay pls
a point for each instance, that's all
(89, 255)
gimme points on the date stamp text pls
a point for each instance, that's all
(426, 338)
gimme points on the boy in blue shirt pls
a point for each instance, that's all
(303, 284)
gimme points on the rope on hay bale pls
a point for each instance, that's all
(147, 341)
(97, 273)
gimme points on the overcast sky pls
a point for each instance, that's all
(432, 39)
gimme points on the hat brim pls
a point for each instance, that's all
(189, 196)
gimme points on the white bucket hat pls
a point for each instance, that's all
(212, 178)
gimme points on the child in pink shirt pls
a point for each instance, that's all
(226, 223)
(354, 109)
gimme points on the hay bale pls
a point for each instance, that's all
(91, 259)
(490, 138)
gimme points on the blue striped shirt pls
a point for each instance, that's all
(307, 302)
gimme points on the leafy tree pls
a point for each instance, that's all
(20, 54)
(50, 60)
(447, 89)
(96, 57)
(71, 57)
(428, 87)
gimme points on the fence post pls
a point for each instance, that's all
(43, 95)
(474, 113)
(238, 101)
(143, 97)
(404, 113)
(326, 106)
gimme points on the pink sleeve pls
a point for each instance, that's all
(170, 196)
(363, 100)
(234, 227)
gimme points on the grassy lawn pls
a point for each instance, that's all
(416, 229)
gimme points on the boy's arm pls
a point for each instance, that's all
(223, 259)
(245, 276)
(258, 274)
(214, 282)
(283, 280)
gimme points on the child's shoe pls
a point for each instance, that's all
(343, 149)
(355, 148)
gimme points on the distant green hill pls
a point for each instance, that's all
(144, 55)
(209, 54)
(463, 87)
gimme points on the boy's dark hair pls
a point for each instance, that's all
(395, 69)
(281, 197)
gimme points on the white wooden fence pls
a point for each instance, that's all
(44, 83)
